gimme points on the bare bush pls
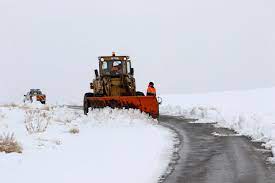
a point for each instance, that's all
(65, 117)
(46, 108)
(8, 144)
(36, 121)
(74, 130)
(11, 105)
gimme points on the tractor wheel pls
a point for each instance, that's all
(138, 93)
(89, 94)
(86, 104)
(43, 102)
(86, 107)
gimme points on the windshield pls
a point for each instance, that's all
(113, 68)
(35, 92)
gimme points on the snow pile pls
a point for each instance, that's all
(62, 145)
(250, 113)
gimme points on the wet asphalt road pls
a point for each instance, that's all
(205, 158)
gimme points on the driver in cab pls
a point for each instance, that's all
(116, 68)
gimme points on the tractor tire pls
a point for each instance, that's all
(86, 104)
(138, 93)
(43, 102)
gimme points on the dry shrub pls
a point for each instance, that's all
(29, 107)
(46, 108)
(65, 116)
(36, 121)
(8, 144)
(25, 107)
(74, 130)
(11, 105)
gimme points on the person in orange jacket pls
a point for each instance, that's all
(151, 90)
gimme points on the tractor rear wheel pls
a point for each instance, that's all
(86, 103)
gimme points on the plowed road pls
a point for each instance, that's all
(222, 158)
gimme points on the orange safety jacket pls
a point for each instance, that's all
(151, 91)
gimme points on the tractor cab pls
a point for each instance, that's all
(114, 66)
(35, 92)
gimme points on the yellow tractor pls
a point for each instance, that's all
(114, 86)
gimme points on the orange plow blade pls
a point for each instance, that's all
(147, 104)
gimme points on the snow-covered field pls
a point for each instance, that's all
(250, 113)
(61, 145)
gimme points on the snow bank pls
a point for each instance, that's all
(107, 146)
(250, 113)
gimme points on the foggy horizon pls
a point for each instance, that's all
(182, 46)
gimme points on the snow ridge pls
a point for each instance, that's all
(249, 113)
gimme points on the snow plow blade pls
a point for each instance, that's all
(147, 104)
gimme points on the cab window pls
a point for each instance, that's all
(129, 67)
(116, 68)
(105, 68)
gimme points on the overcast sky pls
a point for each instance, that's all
(183, 46)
